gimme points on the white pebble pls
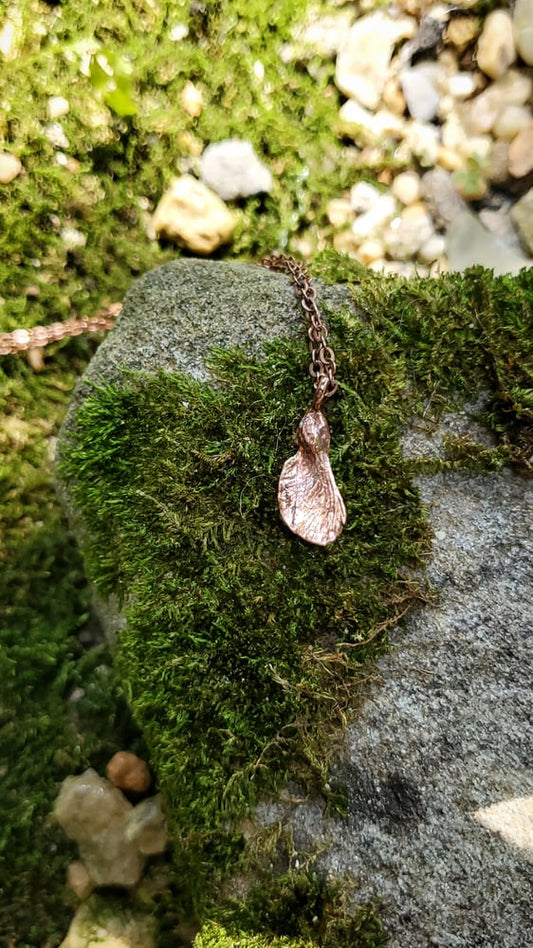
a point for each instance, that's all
(363, 196)
(433, 249)
(57, 106)
(72, 238)
(56, 136)
(406, 187)
(373, 222)
(178, 32)
(423, 141)
(461, 85)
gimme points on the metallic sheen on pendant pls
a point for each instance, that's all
(309, 500)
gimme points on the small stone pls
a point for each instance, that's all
(393, 97)
(95, 814)
(407, 233)
(495, 47)
(56, 136)
(420, 89)
(192, 100)
(147, 827)
(10, 167)
(323, 34)
(370, 251)
(57, 106)
(95, 925)
(522, 218)
(345, 242)
(79, 880)
(191, 214)
(128, 772)
(232, 169)
(363, 60)
(523, 29)
(449, 159)
(441, 197)
(423, 141)
(461, 31)
(339, 212)
(512, 819)
(461, 85)
(406, 187)
(521, 153)
(498, 166)
(374, 221)
(363, 196)
(434, 249)
(72, 238)
(366, 127)
(510, 121)
(178, 32)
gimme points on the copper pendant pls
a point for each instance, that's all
(309, 500)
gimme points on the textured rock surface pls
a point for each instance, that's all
(447, 731)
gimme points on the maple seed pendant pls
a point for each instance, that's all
(309, 500)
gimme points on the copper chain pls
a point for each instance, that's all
(22, 339)
(322, 367)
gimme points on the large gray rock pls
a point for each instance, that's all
(447, 729)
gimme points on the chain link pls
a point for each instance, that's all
(322, 366)
(22, 339)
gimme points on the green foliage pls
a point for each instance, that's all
(111, 78)
(301, 908)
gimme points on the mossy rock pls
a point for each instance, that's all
(243, 646)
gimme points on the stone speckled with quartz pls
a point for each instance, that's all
(95, 814)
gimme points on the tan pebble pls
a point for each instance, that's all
(10, 167)
(521, 153)
(79, 880)
(406, 187)
(461, 31)
(128, 772)
(370, 251)
(345, 242)
(450, 159)
(498, 167)
(192, 100)
(495, 48)
(339, 212)
(393, 97)
(192, 215)
(510, 121)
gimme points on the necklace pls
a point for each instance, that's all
(309, 500)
